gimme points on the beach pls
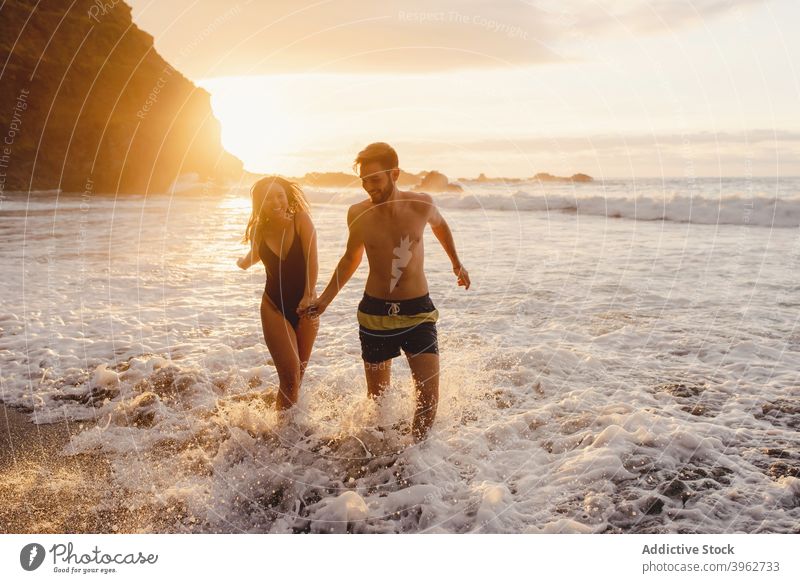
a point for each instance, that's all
(44, 491)
(626, 361)
(41, 490)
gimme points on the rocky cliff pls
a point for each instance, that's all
(86, 103)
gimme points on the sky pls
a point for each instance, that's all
(611, 88)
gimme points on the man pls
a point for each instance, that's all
(396, 311)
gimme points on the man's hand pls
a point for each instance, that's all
(307, 307)
(313, 308)
(462, 275)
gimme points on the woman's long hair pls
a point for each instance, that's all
(295, 196)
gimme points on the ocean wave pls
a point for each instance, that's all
(761, 211)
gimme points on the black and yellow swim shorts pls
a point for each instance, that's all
(384, 327)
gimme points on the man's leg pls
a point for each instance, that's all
(377, 351)
(379, 375)
(425, 371)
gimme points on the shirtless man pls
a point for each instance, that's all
(396, 311)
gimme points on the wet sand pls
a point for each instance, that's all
(44, 491)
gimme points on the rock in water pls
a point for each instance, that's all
(435, 181)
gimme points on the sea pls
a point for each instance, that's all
(627, 359)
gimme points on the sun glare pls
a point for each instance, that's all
(258, 126)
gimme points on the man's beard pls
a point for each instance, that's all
(384, 194)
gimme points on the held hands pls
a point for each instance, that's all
(310, 307)
(462, 275)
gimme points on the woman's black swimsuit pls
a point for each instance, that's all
(286, 279)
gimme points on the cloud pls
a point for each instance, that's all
(759, 137)
(634, 16)
(761, 152)
(250, 37)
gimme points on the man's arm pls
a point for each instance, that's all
(442, 231)
(347, 264)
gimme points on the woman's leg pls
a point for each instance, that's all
(282, 344)
(307, 330)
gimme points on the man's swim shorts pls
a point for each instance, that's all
(384, 327)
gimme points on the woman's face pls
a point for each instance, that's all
(275, 203)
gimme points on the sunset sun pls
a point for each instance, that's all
(258, 126)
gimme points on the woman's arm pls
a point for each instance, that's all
(308, 238)
(252, 256)
(245, 262)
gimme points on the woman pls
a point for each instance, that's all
(282, 236)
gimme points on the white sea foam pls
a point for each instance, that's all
(600, 376)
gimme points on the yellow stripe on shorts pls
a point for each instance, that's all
(374, 322)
